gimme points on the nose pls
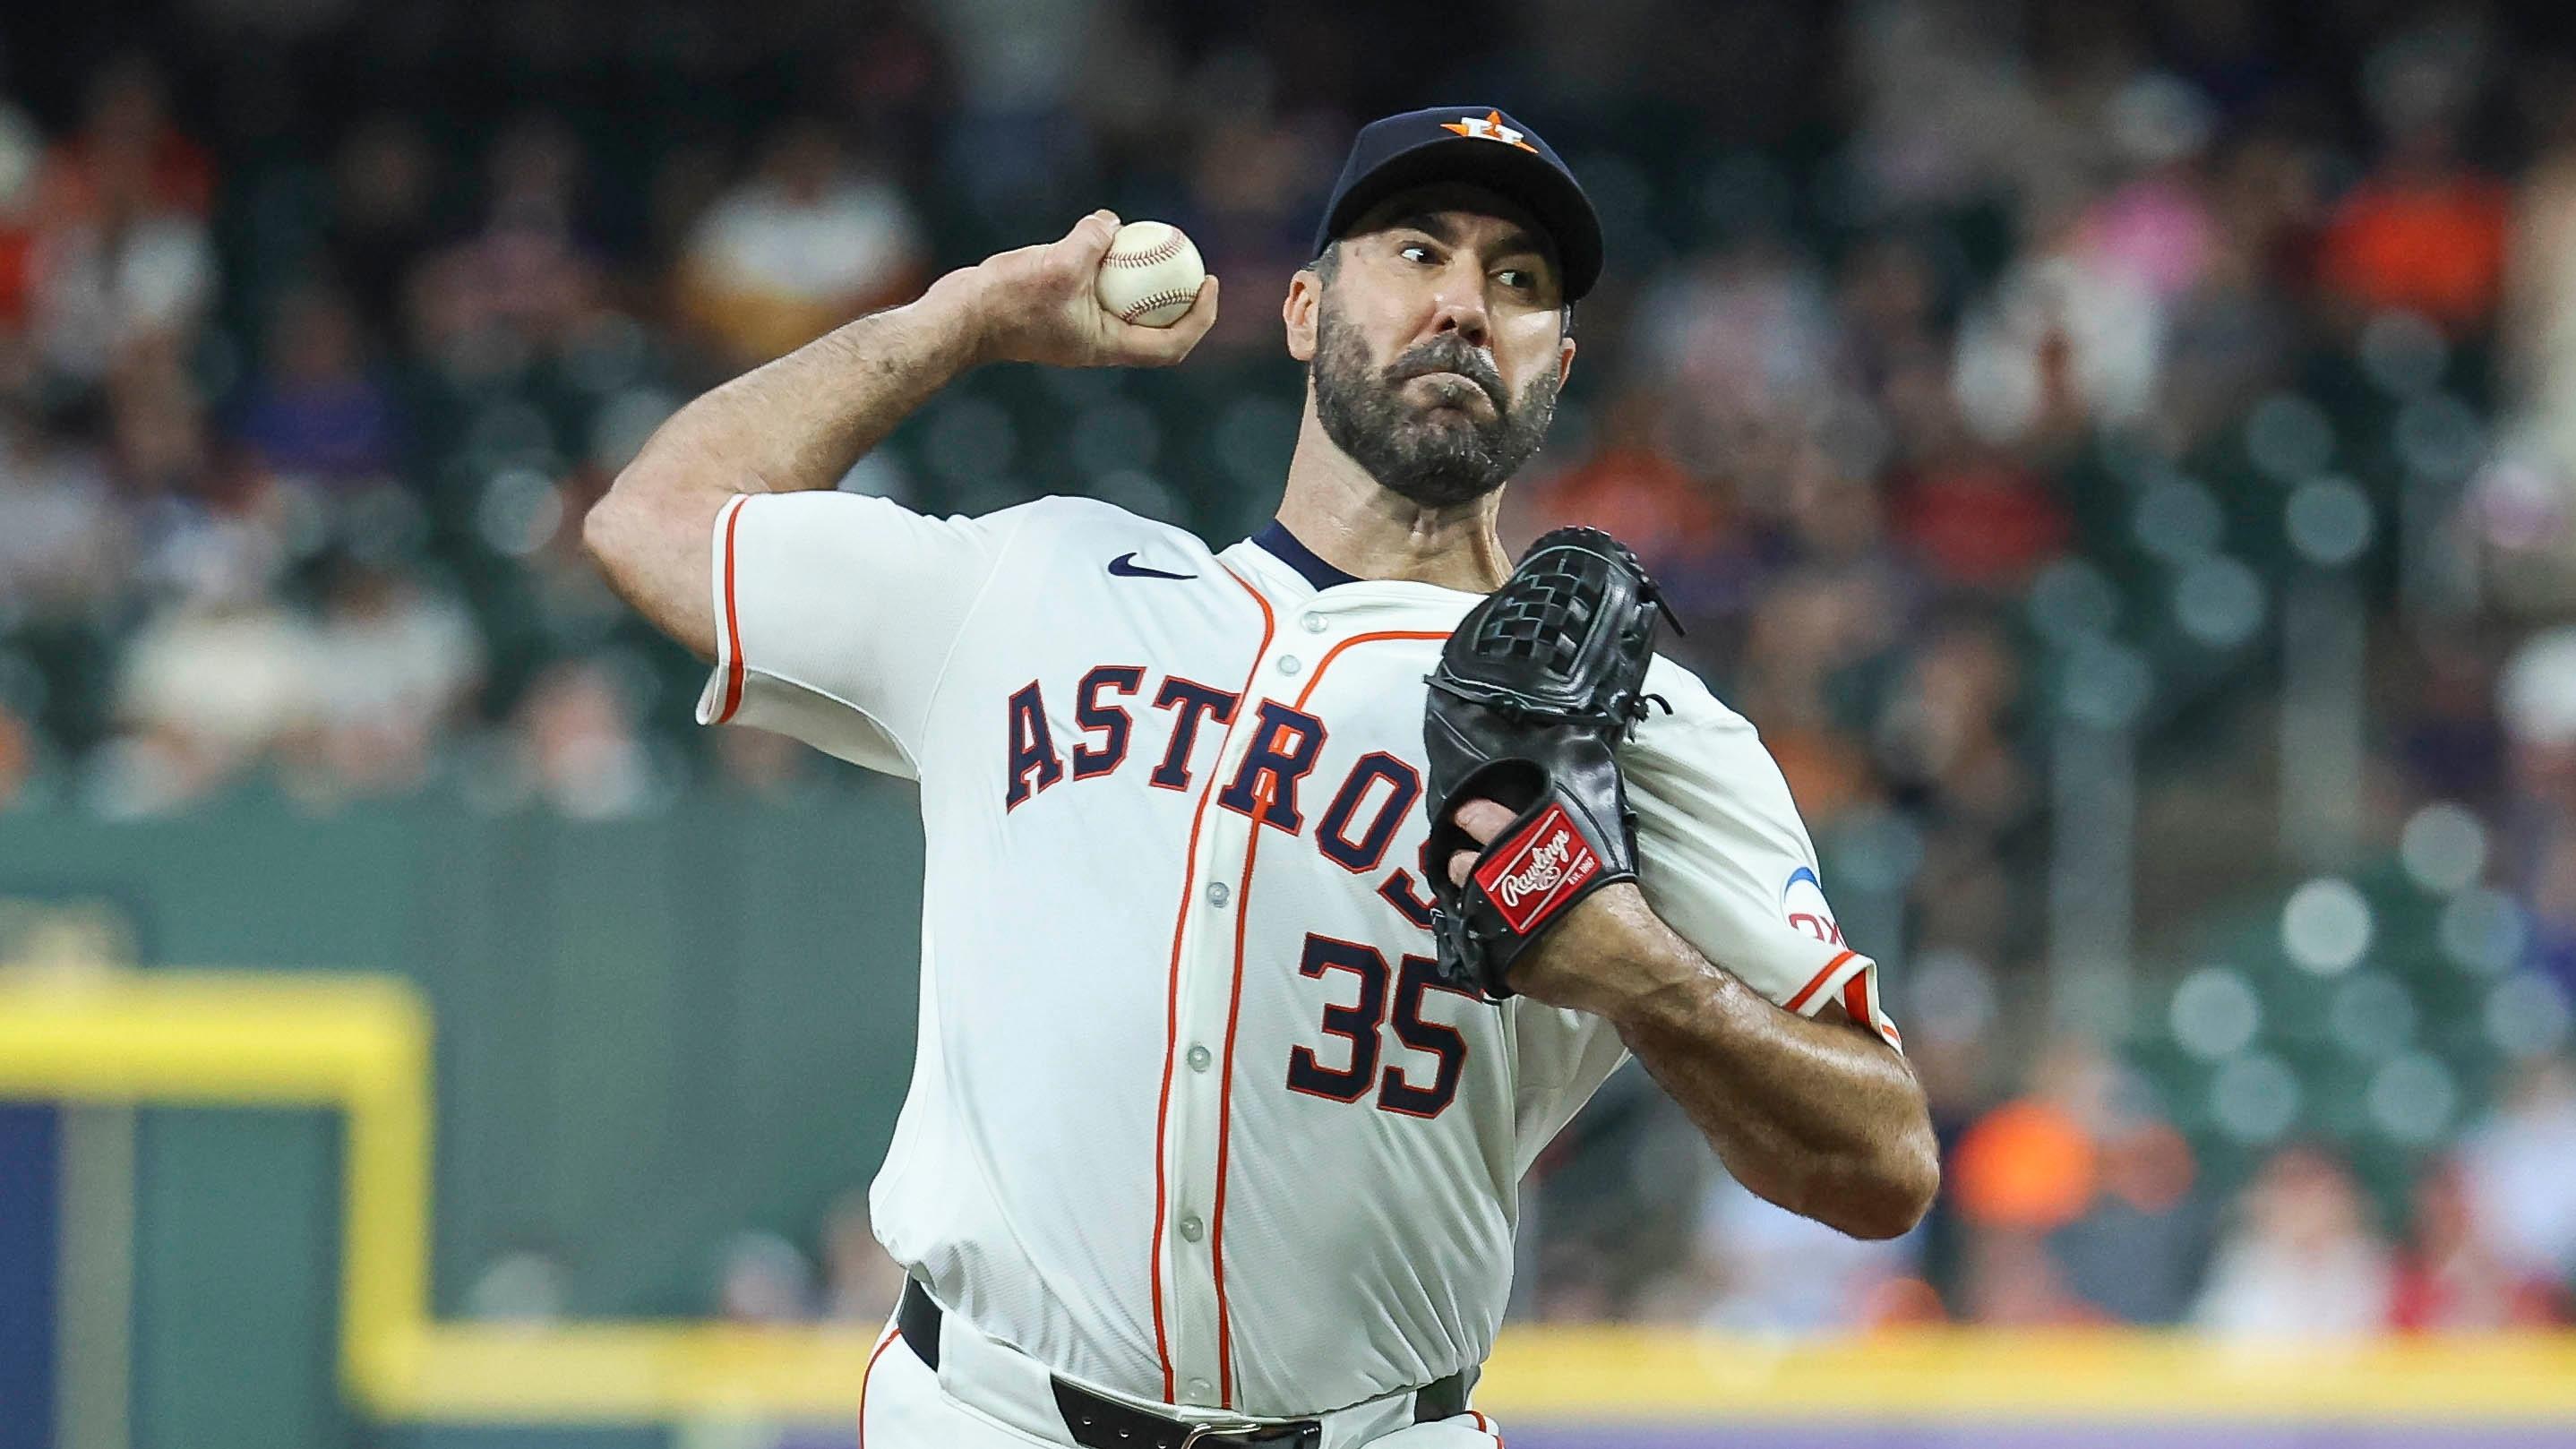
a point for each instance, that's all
(1459, 307)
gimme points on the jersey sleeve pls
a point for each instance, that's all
(1726, 862)
(835, 615)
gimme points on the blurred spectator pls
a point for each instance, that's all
(2030, 1164)
(207, 689)
(2068, 340)
(2156, 227)
(808, 243)
(384, 181)
(2138, 1251)
(22, 164)
(128, 143)
(316, 412)
(120, 252)
(394, 666)
(2011, 1280)
(2525, 501)
(769, 765)
(64, 544)
(480, 310)
(2450, 1278)
(1770, 1271)
(18, 759)
(1806, 630)
(1630, 485)
(1944, 738)
(581, 752)
(123, 269)
(2424, 231)
(2301, 1260)
(762, 1278)
(2515, 1175)
(860, 1282)
(2078, 1197)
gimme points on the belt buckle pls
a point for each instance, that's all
(1219, 1432)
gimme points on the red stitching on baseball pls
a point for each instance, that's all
(1143, 305)
(1169, 248)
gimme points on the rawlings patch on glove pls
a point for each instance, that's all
(1535, 689)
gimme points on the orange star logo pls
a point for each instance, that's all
(1490, 127)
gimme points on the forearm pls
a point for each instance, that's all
(1817, 1116)
(801, 421)
(792, 425)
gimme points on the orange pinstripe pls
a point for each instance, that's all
(1234, 1003)
(1172, 994)
(871, 1372)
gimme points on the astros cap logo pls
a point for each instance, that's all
(1490, 128)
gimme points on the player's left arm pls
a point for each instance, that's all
(1819, 1115)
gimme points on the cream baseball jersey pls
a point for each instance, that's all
(1192, 1121)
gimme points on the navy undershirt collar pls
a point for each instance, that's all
(1283, 546)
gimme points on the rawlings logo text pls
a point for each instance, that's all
(1538, 871)
(1543, 871)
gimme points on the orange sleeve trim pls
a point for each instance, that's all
(1808, 991)
(732, 621)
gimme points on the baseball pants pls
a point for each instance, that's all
(985, 1395)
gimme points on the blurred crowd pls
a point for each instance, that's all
(1962, 368)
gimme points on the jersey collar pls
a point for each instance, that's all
(1284, 546)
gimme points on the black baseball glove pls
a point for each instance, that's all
(1537, 686)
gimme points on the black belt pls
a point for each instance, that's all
(1103, 1423)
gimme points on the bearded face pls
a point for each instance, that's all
(1450, 439)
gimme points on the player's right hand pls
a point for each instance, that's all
(1038, 304)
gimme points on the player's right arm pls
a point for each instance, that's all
(798, 424)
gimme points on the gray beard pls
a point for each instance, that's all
(1437, 460)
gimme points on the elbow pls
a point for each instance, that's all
(607, 530)
(1890, 1199)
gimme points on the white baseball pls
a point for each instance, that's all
(1151, 275)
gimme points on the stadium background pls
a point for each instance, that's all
(2118, 453)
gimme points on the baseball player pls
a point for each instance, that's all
(1203, 1145)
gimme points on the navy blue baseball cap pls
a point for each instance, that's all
(1478, 144)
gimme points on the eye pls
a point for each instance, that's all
(1519, 279)
(1415, 251)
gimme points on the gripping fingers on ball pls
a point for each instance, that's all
(1162, 346)
(1482, 820)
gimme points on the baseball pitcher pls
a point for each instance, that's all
(1281, 901)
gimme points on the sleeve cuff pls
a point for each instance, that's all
(1852, 979)
(722, 697)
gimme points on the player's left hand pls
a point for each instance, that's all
(1585, 960)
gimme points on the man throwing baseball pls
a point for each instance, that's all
(1228, 1073)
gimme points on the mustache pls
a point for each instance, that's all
(1450, 354)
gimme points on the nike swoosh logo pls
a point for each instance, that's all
(1126, 567)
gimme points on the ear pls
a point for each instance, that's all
(1305, 294)
(1564, 360)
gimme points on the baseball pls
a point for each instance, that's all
(1151, 274)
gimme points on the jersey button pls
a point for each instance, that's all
(1192, 1229)
(1201, 1391)
(1314, 623)
(1288, 664)
(1217, 893)
(1199, 1059)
